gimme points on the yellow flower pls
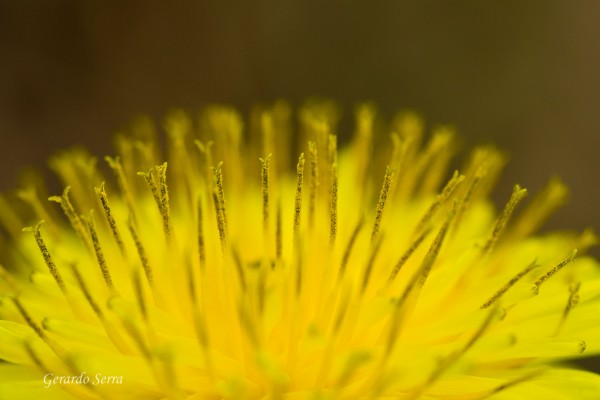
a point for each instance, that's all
(291, 274)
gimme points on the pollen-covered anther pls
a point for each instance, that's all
(314, 182)
(265, 189)
(557, 268)
(72, 216)
(298, 196)
(91, 226)
(516, 197)
(46, 254)
(101, 193)
(509, 284)
(383, 196)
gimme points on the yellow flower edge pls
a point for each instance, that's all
(234, 266)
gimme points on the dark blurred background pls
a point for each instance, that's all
(522, 74)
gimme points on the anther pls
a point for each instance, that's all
(218, 179)
(278, 235)
(417, 281)
(369, 268)
(571, 304)
(98, 250)
(333, 205)
(141, 252)
(440, 199)
(298, 197)
(46, 254)
(517, 195)
(149, 177)
(314, 182)
(201, 240)
(87, 294)
(101, 192)
(349, 246)
(72, 216)
(414, 246)
(239, 265)
(265, 190)
(508, 285)
(383, 195)
(557, 268)
(164, 198)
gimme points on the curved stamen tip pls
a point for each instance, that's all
(35, 228)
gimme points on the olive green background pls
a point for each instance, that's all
(522, 74)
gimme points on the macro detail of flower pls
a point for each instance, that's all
(256, 261)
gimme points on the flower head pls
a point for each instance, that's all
(235, 267)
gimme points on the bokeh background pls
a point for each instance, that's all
(522, 74)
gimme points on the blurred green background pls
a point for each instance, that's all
(522, 74)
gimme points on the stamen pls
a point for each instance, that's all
(509, 284)
(453, 357)
(115, 165)
(265, 191)
(160, 197)
(298, 198)
(374, 252)
(87, 293)
(191, 283)
(332, 149)
(278, 235)
(46, 254)
(240, 269)
(414, 246)
(517, 195)
(434, 250)
(139, 294)
(514, 382)
(363, 142)
(164, 198)
(433, 162)
(417, 281)
(440, 199)
(571, 304)
(299, 263)
(314, 182)
(220, 220)
(349, 247)
(466, 201)
(109, 217)
(132, 330)
(333, 205)
(34, 357)
(141, 252)
(201, 241)
(218, 176)
(98, 250)
(385, 188)
(72, 216)
(55, 347)
(149, 177)
(557, 268)
(36, 328)
(248, 326)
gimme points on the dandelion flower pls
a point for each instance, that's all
(269, 265)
